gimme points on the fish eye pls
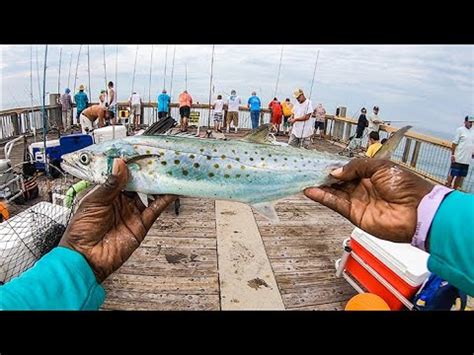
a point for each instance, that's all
(84, 158)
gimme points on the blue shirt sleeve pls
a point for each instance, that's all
(451, 241)
(61, 280)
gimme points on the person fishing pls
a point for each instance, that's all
(302, 131)
(82, 101)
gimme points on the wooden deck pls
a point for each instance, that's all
(176, 267)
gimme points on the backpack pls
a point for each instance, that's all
(437, 294)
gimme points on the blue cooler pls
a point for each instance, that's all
(74, 142)
(53, 150)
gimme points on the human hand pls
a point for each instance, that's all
(376, 195)
(110, 224)
(453, 159)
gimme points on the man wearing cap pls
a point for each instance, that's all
(303, 123)
(82, 101)
(163, 104)
(254, 104)
(233, 103)
(462, 152)
(135, 102)
(66, 109)
(103, 98)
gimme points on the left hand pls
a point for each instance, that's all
(109, 225)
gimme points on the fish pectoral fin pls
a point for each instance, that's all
(267, 210)
(143, 197)
(259, 136)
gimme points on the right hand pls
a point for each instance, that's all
(453, 159)
(376, 195)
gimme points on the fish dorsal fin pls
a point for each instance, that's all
(267, 210)
(387, 149)
(258, 136)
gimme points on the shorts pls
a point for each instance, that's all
(218, 116)
(276, 119)
(136, 110)
(162, 114)
(233, 116)
(458, 169)
(112, 111)
(184, 111)
(320, 125)
(299, 142)
(285, 121)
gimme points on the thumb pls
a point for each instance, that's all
(360, 169)
(115, 183)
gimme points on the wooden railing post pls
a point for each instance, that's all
(347, 131)
(416, 152)
(15, 124)
(406, 150)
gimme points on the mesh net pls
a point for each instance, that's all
(34, 221)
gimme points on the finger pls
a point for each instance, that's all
(330, 197)
(115, 183)
(360, 169)
(151, 213)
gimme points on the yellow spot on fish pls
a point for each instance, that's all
(176, 161)
(216, 166)
(229, 166)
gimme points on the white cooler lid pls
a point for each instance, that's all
(405, 260)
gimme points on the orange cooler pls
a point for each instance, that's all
(385, 268)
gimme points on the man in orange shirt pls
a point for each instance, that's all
(185, 102)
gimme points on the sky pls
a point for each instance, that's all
(428, 86)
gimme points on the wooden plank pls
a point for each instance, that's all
(131, 300)
(334, 291)
(184, 242)
(334, 306)
(162, 284)
(245, 275)
(302, 264)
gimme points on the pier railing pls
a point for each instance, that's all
(428, 156)
(425, 155)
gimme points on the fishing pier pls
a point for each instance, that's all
(219, 255)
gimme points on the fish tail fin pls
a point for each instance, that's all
(387, 149)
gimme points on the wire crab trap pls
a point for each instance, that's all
(34, 221)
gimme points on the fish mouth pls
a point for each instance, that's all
(75, 170)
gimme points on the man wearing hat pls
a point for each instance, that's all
(66, 109)
(303, 123)
(82, 101)
(254, 104)
(163, 104)
(462, 153)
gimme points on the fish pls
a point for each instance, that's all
(251, 170)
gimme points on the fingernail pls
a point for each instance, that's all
(338, 171)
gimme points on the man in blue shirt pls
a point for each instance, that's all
(254, 105)
(163, 104)
(82, 101)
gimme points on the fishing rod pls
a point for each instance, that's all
(43, 111)
(33, 121)
(185, 77)
(172, 71)
(69, 75)
(59, 70)
(279, 70)
(210, 88)
(149, 84)
(310, 94)
(77, 66)
(38, 72)
(166, 61)
(134, 69)
(105, 68)
(89, 71)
